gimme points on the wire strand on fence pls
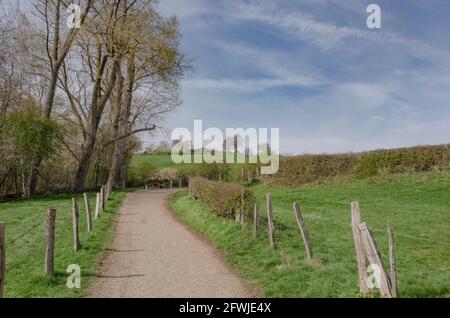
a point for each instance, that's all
(12, 242)
(397, 234)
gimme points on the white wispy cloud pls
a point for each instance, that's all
(327, 35)
(245, 85)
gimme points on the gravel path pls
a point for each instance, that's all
(155, 255)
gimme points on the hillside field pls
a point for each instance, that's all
(418, 208)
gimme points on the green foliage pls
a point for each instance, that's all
(33, 134)
(305, 169)
(140, 173)
(417, 205)
(223, 198)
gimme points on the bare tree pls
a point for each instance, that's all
(154, 66)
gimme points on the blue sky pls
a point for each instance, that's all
(314, 70)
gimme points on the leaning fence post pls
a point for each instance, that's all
(2, 258)
(374, 256)
(392, 262)
(359, 246)
(303, 231)
(50, 243)
(75, 216)
(270, 226)
(88, 212)
(255, 220)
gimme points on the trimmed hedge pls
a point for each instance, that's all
(299, 170)
(224, 198)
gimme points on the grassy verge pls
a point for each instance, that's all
(25, 237)
(418, 207)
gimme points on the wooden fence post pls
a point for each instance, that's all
(359, 246)
(255, 220)
(171, 184)
(303, 231)
(2, 258)
(392, 261)
(50, 243)
(270, 226)
(374, 256)
(97, 205)
(75, 216)
(242, 210)
(101, 198)
(180, 183)
(88, 212)
(104, 197)
(123, 177)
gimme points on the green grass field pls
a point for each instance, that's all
(158, 161)
(418, 207)
(25, 247)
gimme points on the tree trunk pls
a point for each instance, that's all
(97, 107)
(123, 128)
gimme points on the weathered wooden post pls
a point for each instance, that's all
(171, 184)
(2, 258)
(270, 226)
(50, 243)
(123, 177)
(97, 206)
(102, 198)
(359, 246)
(374, 256)
(255, 220)
(303, 231)
(88, 212)
(392, 262)
(180, 183)
(75, 216)
(243, 220)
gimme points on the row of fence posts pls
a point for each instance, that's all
(49, 260)
(365, 245)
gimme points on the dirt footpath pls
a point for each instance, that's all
(155, 255)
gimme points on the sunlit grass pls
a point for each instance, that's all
(25, 245)
(418, 207)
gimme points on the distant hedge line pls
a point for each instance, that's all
(223, 198)
(298, 170)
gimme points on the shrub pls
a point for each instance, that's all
(140, 173)
(224, 198)
(299, 170)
